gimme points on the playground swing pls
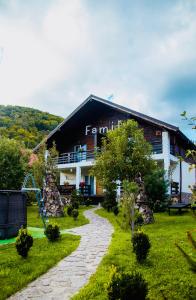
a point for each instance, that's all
(29, 177)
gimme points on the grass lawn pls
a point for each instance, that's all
(165, 270)
(66, 222)
(16, 272)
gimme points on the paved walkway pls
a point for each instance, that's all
(73, 272)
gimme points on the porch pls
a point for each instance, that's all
(78, 177)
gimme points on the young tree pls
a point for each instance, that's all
(130, 190)
(156, 187)
(125, 153)
(191, 153)
(13, 164)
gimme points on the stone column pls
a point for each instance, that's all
(78, 177)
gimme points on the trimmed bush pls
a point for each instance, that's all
(88, 202)
(139, 220)
(141, 245)
(126, 286)
(156, 188)
(75, 214)
(76, 199)
(52, 232)
(109, 197)
(69, 210)
(24, 242)
(115, 210)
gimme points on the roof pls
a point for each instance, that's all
(121, 108)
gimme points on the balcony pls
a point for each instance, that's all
(157, 148)
(74, 157)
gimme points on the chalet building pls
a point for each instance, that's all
(80, 134)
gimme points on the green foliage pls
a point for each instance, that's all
(125, 153)
(165, 271)
(139, 220)
(76, 199)
(156, 188)
(66, 222)
(141, 245)
(188, 257)
(69, 210)
(14, 274)
(88, 202)
(130, 190)
(75, 214)
(110, 197)
(26, 124)
(13, 164)
(24, 242)
(126, 286)
(52, 232)
(115, 210)
(39, 166)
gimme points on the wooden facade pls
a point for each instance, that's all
(80, 133)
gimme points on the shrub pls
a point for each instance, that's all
(125, 286)
(88, 202)
(156, 188)
(24, 242)
(76, 199)
(52, 232)
(115, 210)
(69, 210)
(109, 197)
(141, 245)
(13, 164)
(139, 220)
(75, 214)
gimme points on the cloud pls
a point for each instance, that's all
(57, 53)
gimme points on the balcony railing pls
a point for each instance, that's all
(74, 157)
(157, 148)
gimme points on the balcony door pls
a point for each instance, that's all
(80, 152)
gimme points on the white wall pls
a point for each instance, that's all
(67, 177)
(188, 177)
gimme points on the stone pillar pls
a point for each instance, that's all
(78, 177)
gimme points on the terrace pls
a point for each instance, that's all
(75, 157)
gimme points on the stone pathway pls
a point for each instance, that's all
(73, 272)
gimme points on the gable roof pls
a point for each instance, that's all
(121, 108)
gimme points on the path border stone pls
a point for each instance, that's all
(66, 278)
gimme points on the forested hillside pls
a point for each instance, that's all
(26, 124)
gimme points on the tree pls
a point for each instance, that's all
(130, 190)
(13, 164)
(124, 154)
(156, 188)
(191, 153)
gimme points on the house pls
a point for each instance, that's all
(80, 134)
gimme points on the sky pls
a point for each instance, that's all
(55, 53)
